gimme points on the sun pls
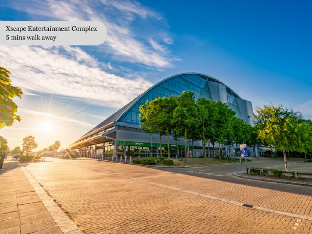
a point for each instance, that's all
(45, 127)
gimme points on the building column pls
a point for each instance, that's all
(115, 150)
(125, 150)
(103, 151)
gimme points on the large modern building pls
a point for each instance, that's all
(120, 134)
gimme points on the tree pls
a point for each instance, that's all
(8, 107)
(150, 120)
(3, 149)
(304, 141)
(206, 115)
(225, 116)
(55, 147)
(184, 115)
(165, 115)
(3, 145)
(29, 144)
(279, 127)
(16, 150)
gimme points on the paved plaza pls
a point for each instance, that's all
(109, 197)
(21, 210)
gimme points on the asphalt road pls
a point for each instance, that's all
(222, 172)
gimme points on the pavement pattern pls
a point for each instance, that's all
(108, 197)
(21, 210)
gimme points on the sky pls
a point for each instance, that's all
(261, 49)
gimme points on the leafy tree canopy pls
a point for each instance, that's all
(3, 145)
(8, 107)
(29, 144)
(16, 150)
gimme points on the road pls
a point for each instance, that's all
(223, 172)
(108, 197)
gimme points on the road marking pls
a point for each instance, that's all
(296, 224)
(292, 215)
(114, 174)
(61, 219)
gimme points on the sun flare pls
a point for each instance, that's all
(45, 127)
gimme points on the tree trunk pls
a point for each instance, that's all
(185, 144)
(220, 151)
(209, 155)
(305, 156)
(285, 160)
(192, 147)
(160, 142)
(204, 148)
(213, 151)
(168, 144)
(177, 147)
(1, 159)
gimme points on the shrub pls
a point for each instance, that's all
(274, 156)
(145, 161)
(165, 161)
(309, 160)
(27, 158)
(153, 161)
(137, 161)
(255, 171)
(265, 171)
(277, 173)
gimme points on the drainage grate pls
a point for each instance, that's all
(248, 205)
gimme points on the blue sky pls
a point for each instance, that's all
(261, 49)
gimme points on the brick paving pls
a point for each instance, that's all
(106, 197)
(21, 210)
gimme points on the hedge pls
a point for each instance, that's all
(153, 161)
(29, 158)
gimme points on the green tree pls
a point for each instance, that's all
(206, 117)
(223, 124)
(184, 116)
(3, 145)
(8, 107)
(238, 131)
(165, 115)
(55, 147)
(279, 127)
(29, 144)
(150, 119)
(3, 149)
(16, 150)
(304, 141)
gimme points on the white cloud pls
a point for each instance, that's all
(38, 113)
(125, 41)
(157, 46)
(305, 109)
(47, 70)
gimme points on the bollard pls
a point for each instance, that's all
(125, 159)
(130, 159)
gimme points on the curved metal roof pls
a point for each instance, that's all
(117, 115)
(208, 78)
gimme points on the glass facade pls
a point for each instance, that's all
(201, 85)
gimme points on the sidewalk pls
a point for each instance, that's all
(21, 210)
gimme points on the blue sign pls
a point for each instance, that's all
(244, 152)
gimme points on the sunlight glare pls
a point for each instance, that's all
(45, 127)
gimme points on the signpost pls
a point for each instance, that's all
(244, 151)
